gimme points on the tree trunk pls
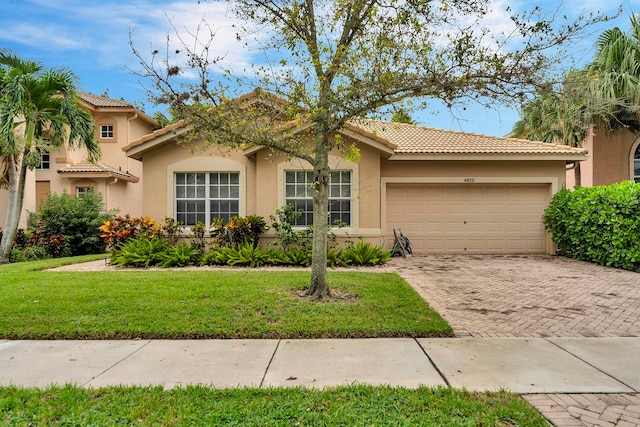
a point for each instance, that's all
(14, 207)
(319, 287)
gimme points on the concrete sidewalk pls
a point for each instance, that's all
(520, 365)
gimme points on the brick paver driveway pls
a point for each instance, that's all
(526, 296)
(536, 296)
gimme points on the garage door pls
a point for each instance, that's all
(468, 218)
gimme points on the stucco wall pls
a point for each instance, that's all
(611, 155)
(160, 166)
(126, 197)
(471, 169)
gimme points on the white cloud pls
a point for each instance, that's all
(101, 30)
(55, 35)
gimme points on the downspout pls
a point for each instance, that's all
(135, 116)
(575, 165)
(106, 192)
(577, 174)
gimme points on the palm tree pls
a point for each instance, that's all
(557, 117)
(606, 92)
(614, 77)
(34, 101)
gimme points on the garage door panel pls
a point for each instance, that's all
(469, 218)
(495, 227)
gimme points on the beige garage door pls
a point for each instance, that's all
(468, 218)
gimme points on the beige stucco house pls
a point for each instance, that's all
(116, 177)
(612, 157)
(447, 191)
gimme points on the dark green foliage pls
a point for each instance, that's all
(364, 253)
(68, 225)
(242, 255)
(282, 223)
(28, 253)
(140, 252)
(156, 252)
(598, 224)
(181, 255)
(238, 230)
(288, 235)
(298, 256)
(335, 258)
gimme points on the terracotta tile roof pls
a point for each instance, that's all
(412, 139)
(98, 102)
(156, 133)
(103, 101)
(406, 139)
(98, 168)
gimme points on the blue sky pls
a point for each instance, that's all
(92, 39)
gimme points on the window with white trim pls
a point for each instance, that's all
(636, 164)
(299, 193)
(83, 191)
(203, 196)
(45, 160)
(106, 131)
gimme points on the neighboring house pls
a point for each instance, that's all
(116, 177)
(447, 191)
(612, 157)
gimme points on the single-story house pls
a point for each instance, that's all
(447, 191)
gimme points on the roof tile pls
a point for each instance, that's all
(98, 167)
(412, 139)
(103, 101)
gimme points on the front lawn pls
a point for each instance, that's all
(356, 405)
(40, 304)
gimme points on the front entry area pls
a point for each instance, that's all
(469, 218)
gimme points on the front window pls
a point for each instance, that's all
(45, 160)
(299, 193)
(636, 165)
(106, 131)
(83, 191)
(202, 196)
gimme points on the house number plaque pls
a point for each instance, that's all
(469, 180)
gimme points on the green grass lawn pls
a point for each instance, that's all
(356, 405)
(40, 304)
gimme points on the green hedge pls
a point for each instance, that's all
(598, 224)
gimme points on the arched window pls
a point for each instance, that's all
(636, 164)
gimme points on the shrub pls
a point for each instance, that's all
(68, 226)
(141, 252)
(244, 254)
(28, 253)
(298, 256)
(182, 255)
(198, 240)
(364, 253)
(121, 228)
(282, 223)
(335, 258)
(598, 224)
(238, 230)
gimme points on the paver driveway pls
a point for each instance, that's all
(526, 296)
